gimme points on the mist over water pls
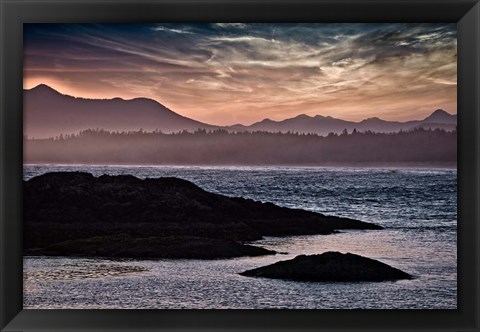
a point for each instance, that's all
(417, 207)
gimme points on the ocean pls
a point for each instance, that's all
(416, 206)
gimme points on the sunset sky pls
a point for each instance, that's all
(228, 73)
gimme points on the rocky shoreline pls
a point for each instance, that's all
(65, 209)
(75, 214)
(125, 246)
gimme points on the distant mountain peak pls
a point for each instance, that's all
(266, 120)
(373, 119)
(302, 116)
(142, 99)
(439, 115)
(44, 87)
(49, 113)
(323, 125)
(439, 111)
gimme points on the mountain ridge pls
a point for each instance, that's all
(324, 125)
(49, 113)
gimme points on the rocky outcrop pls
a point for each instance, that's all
(67, 206)
(329, 267)
(125, 246)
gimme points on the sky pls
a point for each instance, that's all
(230, 73)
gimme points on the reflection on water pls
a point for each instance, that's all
(416, 207)
(216, 284)
(79, 269)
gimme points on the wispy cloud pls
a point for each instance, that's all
(224, 72)
(161, 28)
(231, 25)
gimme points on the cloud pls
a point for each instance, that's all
(231, 25)
(265, 70)
(180, 31)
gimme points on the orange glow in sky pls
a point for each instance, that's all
(225, 74)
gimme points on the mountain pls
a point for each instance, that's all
(323, 125)
(48, 113)
(440, 116)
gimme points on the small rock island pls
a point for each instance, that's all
(179, 247)
(78, 214)
(329, 267)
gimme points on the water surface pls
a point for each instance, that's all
(417, 207)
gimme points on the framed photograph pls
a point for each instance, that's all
(225, 165)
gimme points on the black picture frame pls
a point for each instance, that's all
(13, 13)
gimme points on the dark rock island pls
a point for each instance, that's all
(180, 247)
(74, 213)
(329, 267)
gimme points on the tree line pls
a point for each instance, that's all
(221, 147)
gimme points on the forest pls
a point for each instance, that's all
(221, 147)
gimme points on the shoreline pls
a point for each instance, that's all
(165, 217)
(446, 166)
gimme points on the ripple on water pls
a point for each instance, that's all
(417, 207)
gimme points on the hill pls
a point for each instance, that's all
(323, 125)
(48, 113)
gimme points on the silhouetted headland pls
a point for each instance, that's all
(125, 246)
(75, 213)
(329, 266)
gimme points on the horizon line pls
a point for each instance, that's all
(230, 125)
